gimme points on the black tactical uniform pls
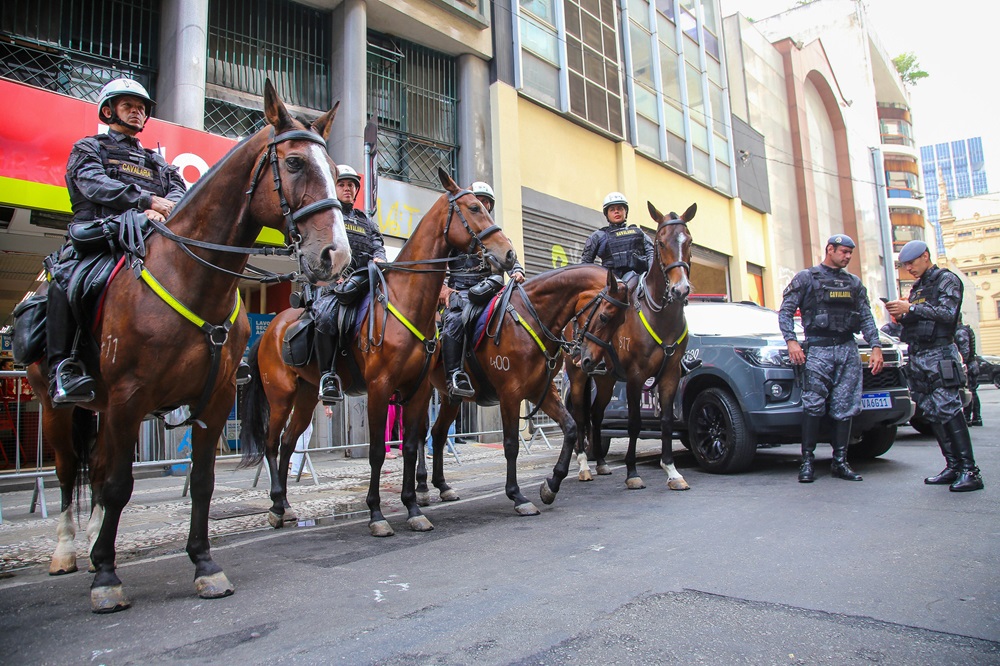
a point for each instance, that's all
(965, 340)
(107, 175)
(935, 372)
(624, 248)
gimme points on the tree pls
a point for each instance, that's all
(909, 69)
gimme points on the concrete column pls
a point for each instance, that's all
(180, 86)
(475, 159)
(349, 59)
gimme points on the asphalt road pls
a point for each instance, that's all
(747, 569)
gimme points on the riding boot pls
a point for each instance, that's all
(330, 391)
(949, 474)
(841, 437)
(458, 383)
(968, 473)
(68, 379)
(810, 433)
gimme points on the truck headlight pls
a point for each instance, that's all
(771, 357)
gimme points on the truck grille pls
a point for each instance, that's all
(889, 378)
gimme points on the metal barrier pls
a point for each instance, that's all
(541, 421)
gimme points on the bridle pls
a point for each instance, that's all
(583, 332)
(665, 269)
(477, 239)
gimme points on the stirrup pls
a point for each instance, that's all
(242, 373)
(330, 390)
(459, 391)
(72, 384)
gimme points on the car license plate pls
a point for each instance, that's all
(876, 401)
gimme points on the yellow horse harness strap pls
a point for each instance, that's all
(182, 309)
(406, 322)
(659, 341)
(524, 323)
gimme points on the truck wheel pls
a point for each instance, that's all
(921, 424)
(873, 443)
(717, 431)
(996, 379)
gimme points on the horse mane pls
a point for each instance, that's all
(218, 166)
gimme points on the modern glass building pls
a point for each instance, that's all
(961, 165)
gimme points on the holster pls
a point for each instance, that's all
(952, 373)
(353, 288)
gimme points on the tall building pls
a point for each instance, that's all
(962, 166)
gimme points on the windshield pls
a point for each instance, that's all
(732, 319)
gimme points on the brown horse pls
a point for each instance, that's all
(391, 354)
(650, 343)
(523, 357)
(152, 359)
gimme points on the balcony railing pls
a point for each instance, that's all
(898, 140)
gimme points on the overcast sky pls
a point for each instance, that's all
(958, 43)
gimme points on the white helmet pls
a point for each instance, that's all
(615, 199)
(345, 172)
(481, 189)
(119, 87)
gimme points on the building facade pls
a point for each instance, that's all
(961, 166)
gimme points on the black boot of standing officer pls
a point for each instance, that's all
(841, 437)
(968, 474)
(949, 474)
(810, 433)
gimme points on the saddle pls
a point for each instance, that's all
(327, 316)
(486, 316)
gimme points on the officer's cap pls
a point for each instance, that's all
(841, 239)
(912, 250)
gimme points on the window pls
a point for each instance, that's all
(592, 55)
(964, 234)
(411, 90)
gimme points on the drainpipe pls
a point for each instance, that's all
(885, 224)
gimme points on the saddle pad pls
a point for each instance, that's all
(104, 292)
(479, 331)
(362, 310)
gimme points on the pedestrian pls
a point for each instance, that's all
(622, 247)
(367, 244)
(115, 187)
(930, 318)
(467, 271)
(965, 340)
(298, 456)
(393, 428)
(834, 306)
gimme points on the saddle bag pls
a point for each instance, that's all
(481, 293)
(29, 329)
(352, 289)
(297, 345)
(93, 237)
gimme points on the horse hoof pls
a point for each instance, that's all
(64, 564)
(419, 524)
(635, 483)
(108, 599)
(449, 496)
(380, 528)
(215, 586)
(275, 521)
(526, 509)
(678, 484)
(585, 475)
(548, 497)
(423, 499)
(604, 470)
(290, 516)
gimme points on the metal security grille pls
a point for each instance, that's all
(232, 120)
(411, 90)
(252, 40)
(76, 46)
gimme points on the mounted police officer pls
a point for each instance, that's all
(965, 340)
(834, 306)
(467, 272)
(929, 317)
(367, 244)
(622, 247)
(114, 184)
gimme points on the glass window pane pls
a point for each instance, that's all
(711, 16)
(700, 166)
(718, 108)
(696, 101)
(610, 43)
(615, 123)
(666, 32)
(593, 67)
(648, 137)
(691, 53)
(723, 176)
(675, 151)
(711, 44)
(543, 9)
(572, 18)
(597, 105)
(714, 70)
(721, 148)
(646, 102)
(592, 6)
(574, 54)
(699, 135)
(666, 7)
(592, 33)
(638, 11)
(541, 79)
(669, 73)
(689, 26)
(577, 95)
(539, 39)
(611, 74)
(642, 55)
(674, 117)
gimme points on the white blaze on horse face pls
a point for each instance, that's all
(341, 256)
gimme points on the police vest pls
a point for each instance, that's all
(466, 271)
(131, 166)
(928, 332)
(626, 249)
(833, 308)
(362, 248)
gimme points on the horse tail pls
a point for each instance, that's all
(256, 412)
(84, 434)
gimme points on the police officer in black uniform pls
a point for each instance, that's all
(929, 317)
(834, 306)
(965, 340)
(107, 175)
(622, 247)
(465, 272)
(367, 244)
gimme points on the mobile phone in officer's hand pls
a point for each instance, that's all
(883, 299)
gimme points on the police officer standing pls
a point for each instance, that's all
(367, 244)
(467, 271)
(929, 317)
(834, 306)
(622, 247)
(108, 175)
(965, 340)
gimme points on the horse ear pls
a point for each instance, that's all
(690, 212)
(274, 109)
(324, 123)
(655, 214)
(612, 283)
(447, 182)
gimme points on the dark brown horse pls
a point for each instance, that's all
(650, 343)
(153, 358)
(392, 354)
(523, 356)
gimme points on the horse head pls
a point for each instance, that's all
(606, 314)
(673, 251)
(470, 227)
(303, 203)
